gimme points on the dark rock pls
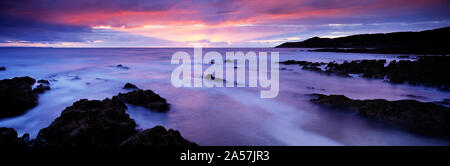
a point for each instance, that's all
(8, 137)
(369, 68)
(427, 71)
(416, 96)
(2, 68)
(312, 68)
(426, 118)
(145, 98)
(41, 88)
(89, 123)
(16, 96)
(157, 136)
(404, 57)
(130, 86)
(43, 82)
(122, 67)
(95, 123)
(76, 78)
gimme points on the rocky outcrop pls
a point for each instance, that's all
(426, 118)
(95, 123)
(16, 96)
(46, 82)
(311, 66)
(145, 98)
(89, 123)
(8, 137)
(426, 70)
(130, 86)
(41, 88)
(368, 68)
(157, 136)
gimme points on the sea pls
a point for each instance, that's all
(218, 115)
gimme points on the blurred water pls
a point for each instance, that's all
(214, 116)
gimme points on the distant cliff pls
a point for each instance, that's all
(424, 42)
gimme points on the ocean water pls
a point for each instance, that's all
(215, 116)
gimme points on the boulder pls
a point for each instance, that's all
(17, 96)
(8, 137)
(41, 89)
(130, 86)
(157, 136)
(89, 123)
(43, 82)
(145, 98)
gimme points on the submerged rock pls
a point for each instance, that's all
(311, 66)
(2, 68)
(368, 68)
(130, 86)
(157, 136)
(145, 98)
(16, 96)
(41, 88)
(89, 123)
(43, 82)
(426, 118)
(122, 67)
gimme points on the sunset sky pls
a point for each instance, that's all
(219, 23)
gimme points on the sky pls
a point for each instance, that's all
(210, 23)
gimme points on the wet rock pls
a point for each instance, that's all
(2, 68)
(95, 123)
(368, 68)
(43, 82)
(16, 96)
(8, 137)
(312, 68)
(41, 88)
(89, 123)
(145, 98)
(122, 67)
(294, 62)
(157, 136)
(130, 86)
(425, 118)
(74, 78)
(427, 70)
